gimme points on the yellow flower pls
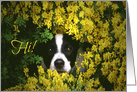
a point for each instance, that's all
(35, 19)
(89, 3)
(78, 69)
(108, 3)
(102, 9)
(32, 80)
(101, 88)
(27, 3)
(107, 56)
(24, 9)
(98, 3)
(26, 70)
(79, 82)
(44, 15)
(58, 3)
(115, 7)
(71, 78)
(87, 11)
(90, 38)
(45, 5)
(85, 64)
(112, 76)
(4, 11)
(106, 25)
(36, 9)
(59, 20)
(106, 66)
(81, 3)
(96, 82)
(64, 76)
(89, 85)
(87, 25)
(76, 20)
(40, 70)
(44, 81)
(68, 25)
(16, 28)
(13, 3)
(25, 16)
(17, 9)
(97, 59)
(116, 19)
(81, 14)
(94, 48)
(88, 55)
(50, 74)
(48, 23)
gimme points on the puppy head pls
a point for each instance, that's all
(59, 53)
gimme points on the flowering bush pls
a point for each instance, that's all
(100, 23)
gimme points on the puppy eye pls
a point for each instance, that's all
(50, 50)
(68, 49)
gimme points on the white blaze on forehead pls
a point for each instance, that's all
(59, 41)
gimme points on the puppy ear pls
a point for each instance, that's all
(86, 45)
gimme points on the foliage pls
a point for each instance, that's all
(100, 23)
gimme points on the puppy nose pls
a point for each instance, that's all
(59, 63)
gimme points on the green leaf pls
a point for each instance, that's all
(20, 21)
(7, 20)
(45, 36)
(4, 73)
(8, 36)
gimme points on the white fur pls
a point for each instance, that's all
(60, 55)
(66, 67)
(59, 41)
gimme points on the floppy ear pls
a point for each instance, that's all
(85, 45)
(77, 43)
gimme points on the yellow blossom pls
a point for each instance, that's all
(17, 9)
(81, 14)
(45, 5)
(94, 48)
(97, 59)
(115, 7)
(112, 76)
(40, 70)
(26, 70)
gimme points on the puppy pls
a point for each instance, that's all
(59, 53)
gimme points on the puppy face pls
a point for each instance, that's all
(60, 53)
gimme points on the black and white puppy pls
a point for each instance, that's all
(59, 53)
